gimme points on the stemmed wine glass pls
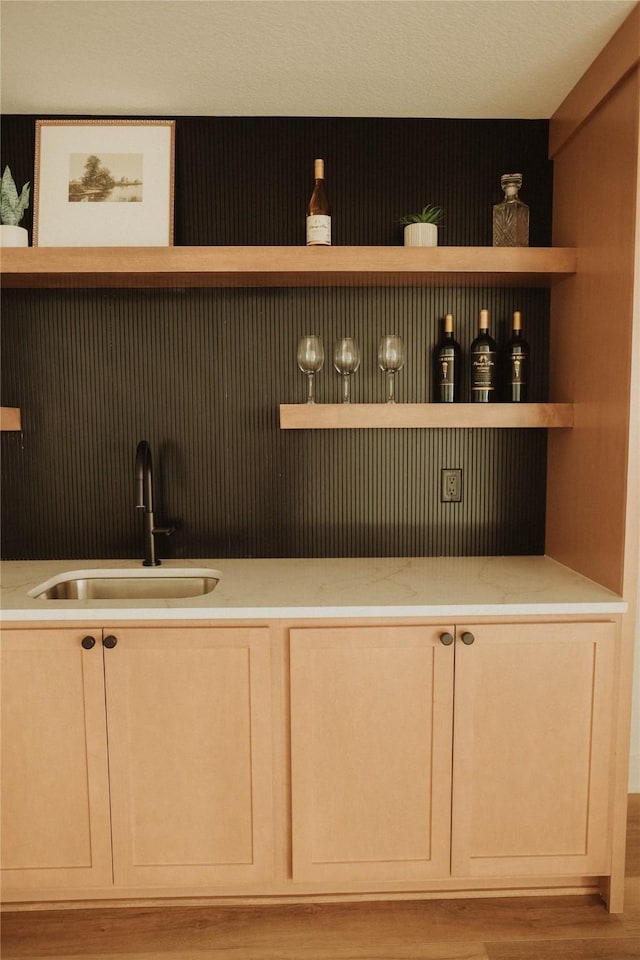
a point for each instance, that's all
(390, 360)
(346, 360)
(310, 360)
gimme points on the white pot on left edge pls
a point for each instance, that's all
(11, 236)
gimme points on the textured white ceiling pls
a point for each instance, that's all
(401, 58)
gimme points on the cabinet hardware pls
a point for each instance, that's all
(446, 639)
(110, 642)
(468, 638)
(88, 642)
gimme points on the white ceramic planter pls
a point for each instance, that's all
(421, 235)
(11, 236)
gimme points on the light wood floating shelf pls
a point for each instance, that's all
(344, 416)
(86, 267)
(10, 418)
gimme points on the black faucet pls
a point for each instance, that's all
(144, 501)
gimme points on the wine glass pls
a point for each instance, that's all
(346, 360)
(310, 360)
(390, 360)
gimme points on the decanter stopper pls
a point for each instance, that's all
(511, 215)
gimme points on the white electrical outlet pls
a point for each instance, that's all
(451, 485)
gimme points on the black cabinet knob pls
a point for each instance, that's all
(88, 642)
(110, 642)
(446, 639)
(468, 638)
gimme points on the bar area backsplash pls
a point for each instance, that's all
(200, 373)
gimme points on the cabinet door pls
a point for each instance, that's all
(189, 721)
(55, 792)
(371, 753)
(532, 736)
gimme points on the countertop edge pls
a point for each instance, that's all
(443, 612)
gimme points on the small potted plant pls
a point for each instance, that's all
(12, 208)
(421, 229)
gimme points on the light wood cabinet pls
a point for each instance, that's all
(184, 791)
(423, 757)
(532, 750)
(372, 713)
(371, 752)
(55, 791)
(189, 721)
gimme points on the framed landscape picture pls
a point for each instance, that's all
(104, 183)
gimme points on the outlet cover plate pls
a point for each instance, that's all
(451, 485)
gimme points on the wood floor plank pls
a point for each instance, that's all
(566, 950)
(332, 930)
(308, 951)
(632, 863)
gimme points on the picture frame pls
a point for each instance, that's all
(104, 183)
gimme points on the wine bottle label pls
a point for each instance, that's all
(518, 367)
(445, 370)
(483, 371)
(319, 230)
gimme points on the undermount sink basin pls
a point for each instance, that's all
(163, 583)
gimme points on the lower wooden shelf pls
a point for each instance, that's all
(339, 416)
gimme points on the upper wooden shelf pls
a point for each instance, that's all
(85, 267)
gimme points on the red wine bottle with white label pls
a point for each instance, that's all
(447, 360)
(517, 363)
(482, 357)
(318, 212)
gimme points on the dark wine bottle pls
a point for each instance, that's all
(447, 365)
(483, 363)
(318, 212)
(517, 363)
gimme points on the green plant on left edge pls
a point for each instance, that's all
(12, 206)
(428, 214)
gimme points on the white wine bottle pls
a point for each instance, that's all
(318, 213)
(483, 363)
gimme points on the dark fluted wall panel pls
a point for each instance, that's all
(200, 373)
(247, 180)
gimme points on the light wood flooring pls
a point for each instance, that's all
(546, 928)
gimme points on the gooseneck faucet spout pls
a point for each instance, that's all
(144, 501)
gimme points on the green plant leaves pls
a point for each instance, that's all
(12, 206)
(428, 214)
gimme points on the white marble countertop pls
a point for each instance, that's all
(443, 587)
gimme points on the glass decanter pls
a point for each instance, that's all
(511, 215)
